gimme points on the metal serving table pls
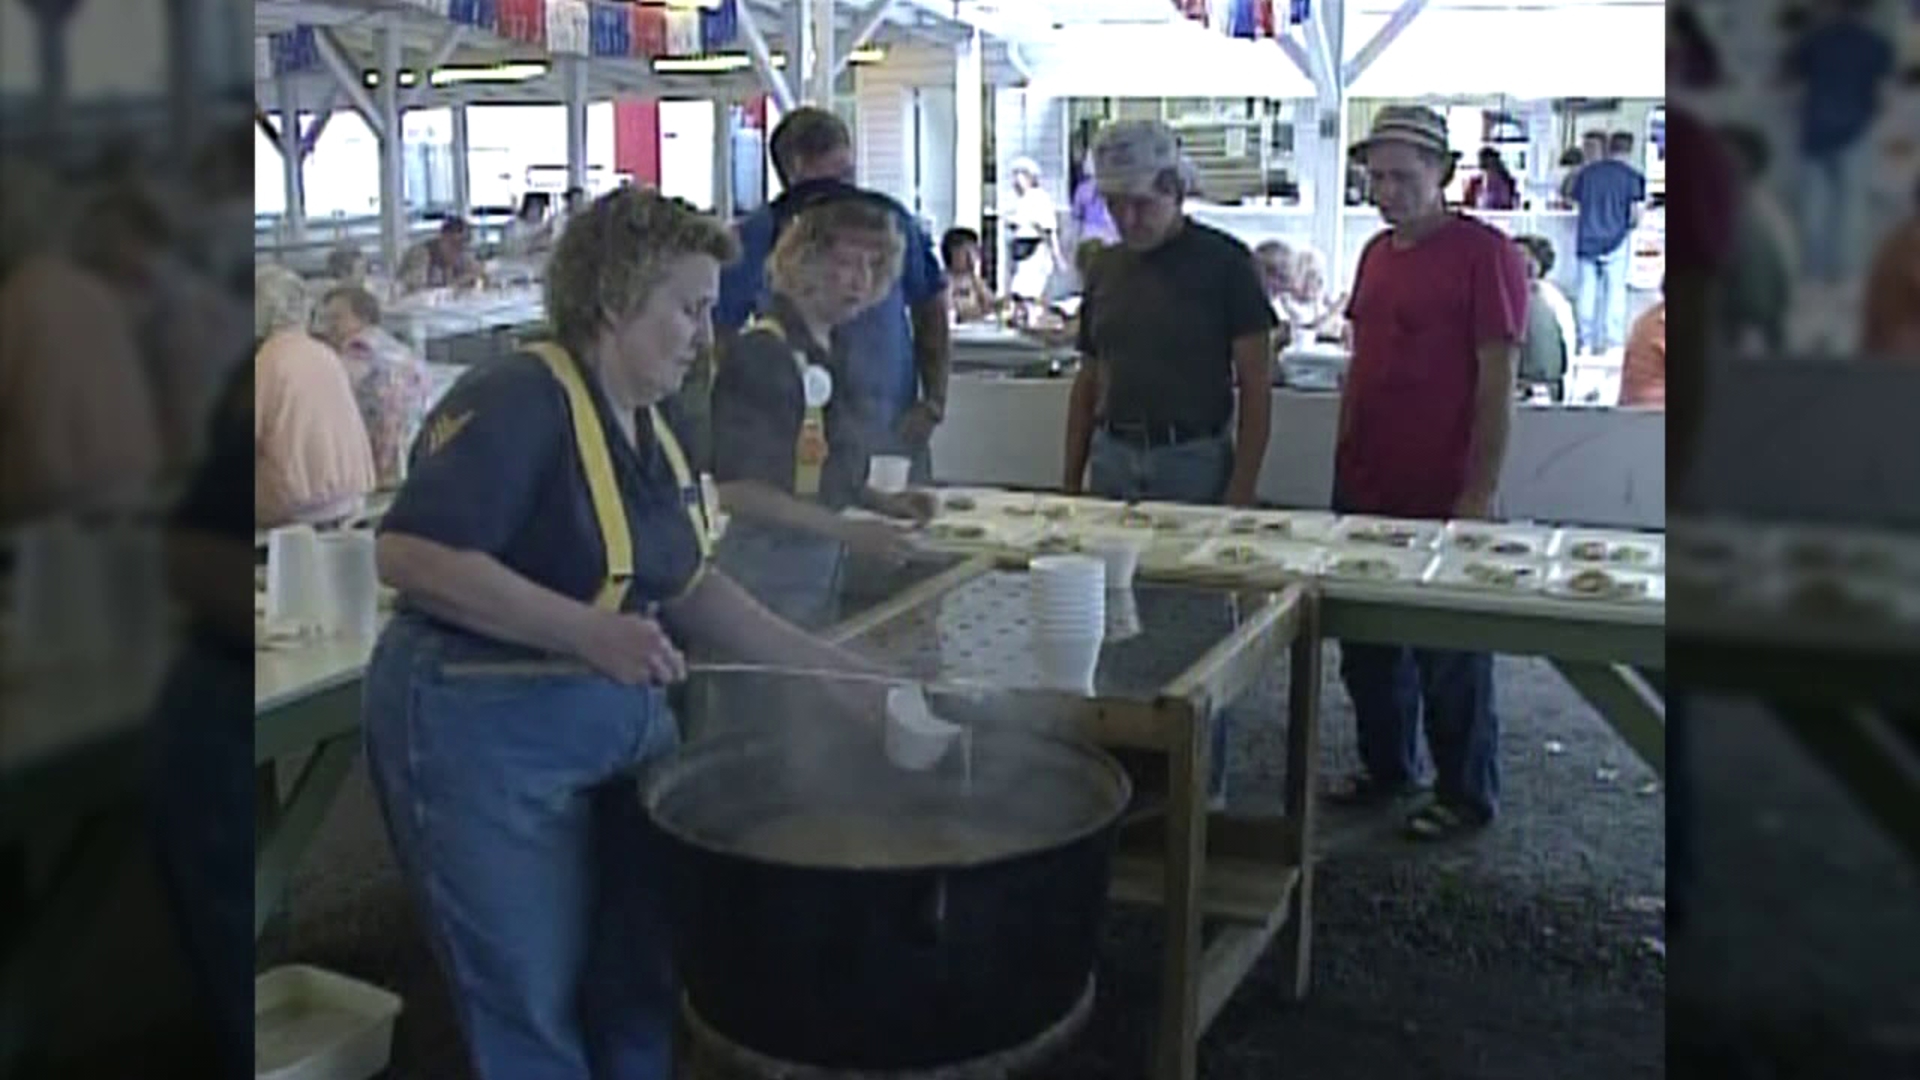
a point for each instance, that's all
(1198, 649)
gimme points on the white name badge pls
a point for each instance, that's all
(816, 383)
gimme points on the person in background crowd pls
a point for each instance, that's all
(1892, 329)
(1494, 186)
(1611, 197)
(1308, 307)
(78, 423)
(1643, 372)
(1570, 163)
(899, 349)
(1549, 341)
(573, 200)
(1088, 218)
(389, 381)
(443, 261)
(1174, 319)
(1759, 287)
(783, 480)
(1841, 66)
(967, 288)
(531, 231)
(1034, 226)
(1438, 312)
(312, 461)
(347, 265)
(1275, 261)
(186, 324)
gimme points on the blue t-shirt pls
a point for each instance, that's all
(1605, 192)
(879, 343)
(495, 470)
(1842, 66)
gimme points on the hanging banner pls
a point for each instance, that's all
(609, 29)
(720, 25)
(484, 14)
(567, 27)
(683, 32)
(294, 50)
(648, 26)
(524, 20)
(1299, 11)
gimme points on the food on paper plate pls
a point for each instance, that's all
(1167, 523)
(1056, 544)
(1497, 575)
(1018, 510)
(1244, 526)
(1599, 583)
(1511, 547)
(1603, 552)
(1057, 511)
(1389, 535)
(1830, 598)
(1239, 555)
(1364, 566)
(957, 530)
(961, 502)
(1135, 518)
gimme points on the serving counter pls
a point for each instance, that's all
(1595, 466)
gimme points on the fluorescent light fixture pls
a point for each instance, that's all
(449, 76)
(724, 62)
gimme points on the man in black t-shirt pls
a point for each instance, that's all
(1172, 321)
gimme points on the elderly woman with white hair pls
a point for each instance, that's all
(78, 430)
(1034, 224)
(312, 460)
(1307, 304)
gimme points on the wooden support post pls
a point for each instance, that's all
(1177, 1052)
(1302, 801)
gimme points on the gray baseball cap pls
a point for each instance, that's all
(1128, 156)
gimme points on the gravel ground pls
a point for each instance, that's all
(1533, 951)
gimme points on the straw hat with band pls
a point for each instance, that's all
(1415, 126)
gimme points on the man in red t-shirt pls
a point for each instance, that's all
(1438, 312)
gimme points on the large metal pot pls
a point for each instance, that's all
(834, 911)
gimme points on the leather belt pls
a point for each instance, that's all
(1149, 435)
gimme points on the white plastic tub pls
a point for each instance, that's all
(310, 1024)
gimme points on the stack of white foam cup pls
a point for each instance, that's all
(1067, 595)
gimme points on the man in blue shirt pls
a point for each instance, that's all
(898, 352)
(1841, 65)
(1611, 195)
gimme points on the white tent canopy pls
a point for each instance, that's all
(1564, 50)
(1174, 59)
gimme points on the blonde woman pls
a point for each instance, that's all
(509, 798)
(787, 447)
(312, 461)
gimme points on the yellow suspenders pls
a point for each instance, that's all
(603, 487)
(810, 446)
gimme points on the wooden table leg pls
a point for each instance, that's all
(1302, 797)
(1628, 705)
(1179, 1035)
(280, 842)
(1863, 751)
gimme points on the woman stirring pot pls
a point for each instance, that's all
(549, 513)
(786, 447)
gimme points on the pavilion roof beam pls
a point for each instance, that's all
(346, 75)
(1396, 24)
(442, 52)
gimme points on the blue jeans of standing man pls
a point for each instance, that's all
(1189, 472)
(515, 820)
(1601, 300)
(1832, 195)
(1395, 688)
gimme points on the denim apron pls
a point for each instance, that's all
(511, 803)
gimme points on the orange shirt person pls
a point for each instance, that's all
(1643, 373)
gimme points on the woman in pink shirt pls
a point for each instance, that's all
(312, 461)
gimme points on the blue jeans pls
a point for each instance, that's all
(1600, 302)
(1189, 472)
(514, 817)
(1391, 686)
(795, 574)
(1832, 197)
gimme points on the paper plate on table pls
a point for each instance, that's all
(1612, 548)
(1487, 573)
(1402, 534)
(1230, 553)
(1376, 564)
(1163, 519)
(1496, 539)
(1579, 581)
(1303, 525)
